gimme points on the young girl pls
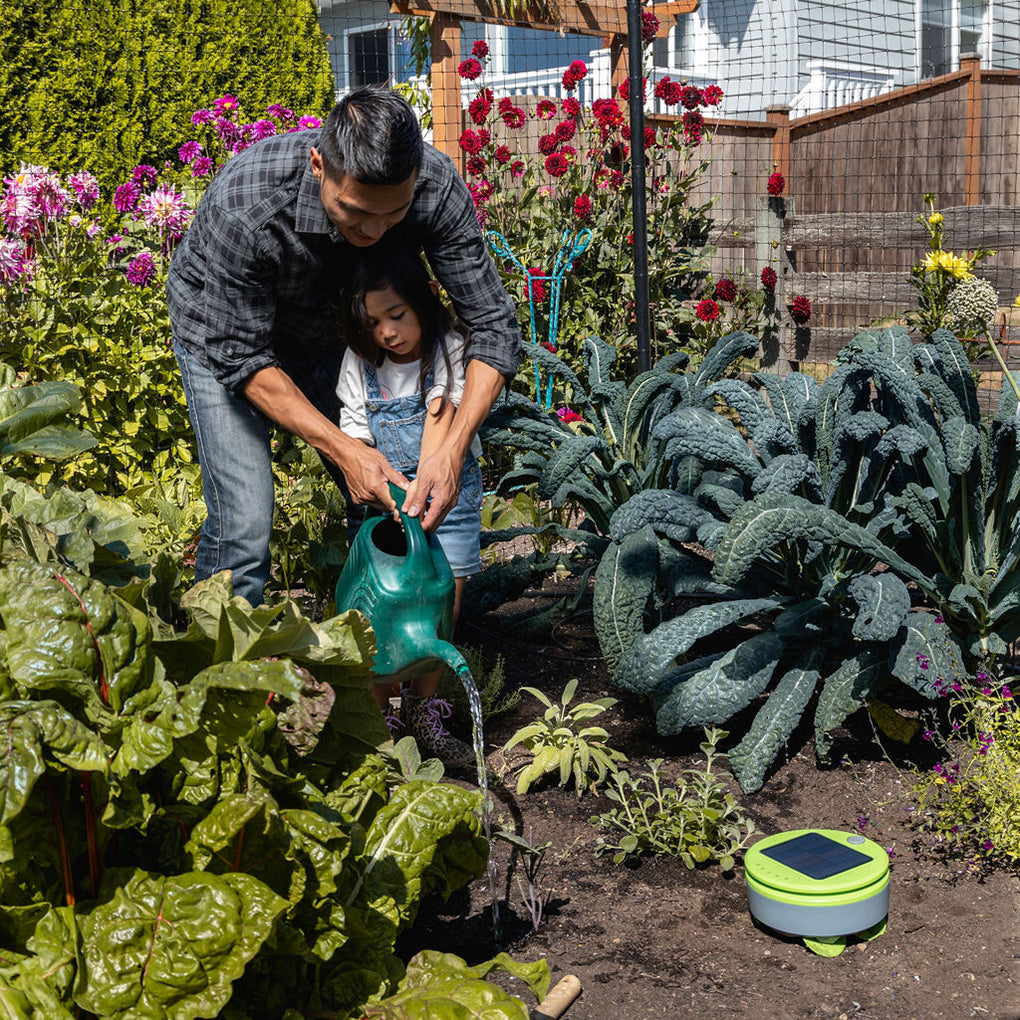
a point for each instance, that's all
(401, 380)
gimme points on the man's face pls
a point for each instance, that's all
(362, 212)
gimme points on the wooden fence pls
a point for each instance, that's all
(845, 233)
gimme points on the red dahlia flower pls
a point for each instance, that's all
(502, 154)
(470, 142)
(777, 184)
(800, 310)
(707, 310)
(469, 69)
(649, 26)
(582, 207)
(546, 109)
(769, 278)
(556, 164)
(712, 95)
(725, 290)
(480, 49)
(478, 110)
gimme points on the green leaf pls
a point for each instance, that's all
(171, 945)
(35, 729)
(731, 683)
(926, 653)
(650, 656)
(846, 690)
(774, 723)
(69, 633)
(884, 603)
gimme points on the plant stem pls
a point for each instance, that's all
(65, 854)
(90, 832)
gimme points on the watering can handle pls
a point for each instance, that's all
(417, 543)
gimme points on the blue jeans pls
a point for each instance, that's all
(237, 480)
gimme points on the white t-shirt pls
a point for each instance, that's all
(399, 380)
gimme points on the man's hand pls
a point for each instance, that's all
(366, 470)
(438, 478)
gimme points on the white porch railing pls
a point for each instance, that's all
(835, 83)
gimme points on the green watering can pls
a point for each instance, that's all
(400, 579)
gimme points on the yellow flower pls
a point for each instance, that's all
(935, 219)
(1017, 302)
(946, 262)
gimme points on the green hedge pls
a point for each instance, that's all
(102, 85)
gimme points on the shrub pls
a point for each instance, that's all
(106, 85)
(971, 799)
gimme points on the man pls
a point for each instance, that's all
(250, 291)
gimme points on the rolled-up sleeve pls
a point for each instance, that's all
(457, 253)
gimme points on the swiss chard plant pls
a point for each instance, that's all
(205, 823)
(789, 509)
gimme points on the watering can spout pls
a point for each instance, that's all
(399, 578)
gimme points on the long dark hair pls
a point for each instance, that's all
(398, 267)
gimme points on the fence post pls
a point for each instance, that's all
(778, 352)
(971, 63)
(447, 118)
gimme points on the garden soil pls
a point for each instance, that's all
(654, 939)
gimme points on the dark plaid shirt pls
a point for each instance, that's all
(255, 278)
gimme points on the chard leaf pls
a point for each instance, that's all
(69, 633)
(774, 723)
(846, 690)
(644, 664)
(624, 582)
(164, 946)
(40, 986)
(441, 986)
(33, 728)
(32, 420)
(224, 628)
(426, 838)
(884, 603)
(731, 683)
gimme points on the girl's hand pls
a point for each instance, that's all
(438, 480)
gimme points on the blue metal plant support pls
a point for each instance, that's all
(571, 246)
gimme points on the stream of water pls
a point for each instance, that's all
(460, 667)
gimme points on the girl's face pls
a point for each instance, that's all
(395, 326)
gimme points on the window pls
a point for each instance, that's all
(949, 29)
(368, 58)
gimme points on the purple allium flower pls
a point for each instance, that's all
(262, 129)
(202, 167)
(145, 175)
(13, 262)
(189, 151)
(85, 188)
(141, 269)
(307, 122)
(126, 195)
(200, 117)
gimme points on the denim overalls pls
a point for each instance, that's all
(397, 425)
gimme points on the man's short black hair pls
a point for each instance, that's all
(373, 136)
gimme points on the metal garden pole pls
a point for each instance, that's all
(637, 172)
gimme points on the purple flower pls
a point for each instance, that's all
(922, 660)
(85, 188)
(928, 735)
(126, 195)
(226, 104)
(189, 151)
(987, 845)
(307, 122)
(279, 112)
(113, 243)
(1006, 692)
(141, 269)
(862, 822)
(13, 262)
(228, 132)
(202, 167)
(200, 117)
(167, 210)
(262, 129)
(144, 175)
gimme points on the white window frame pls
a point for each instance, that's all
(391, 48)
(985, 48)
